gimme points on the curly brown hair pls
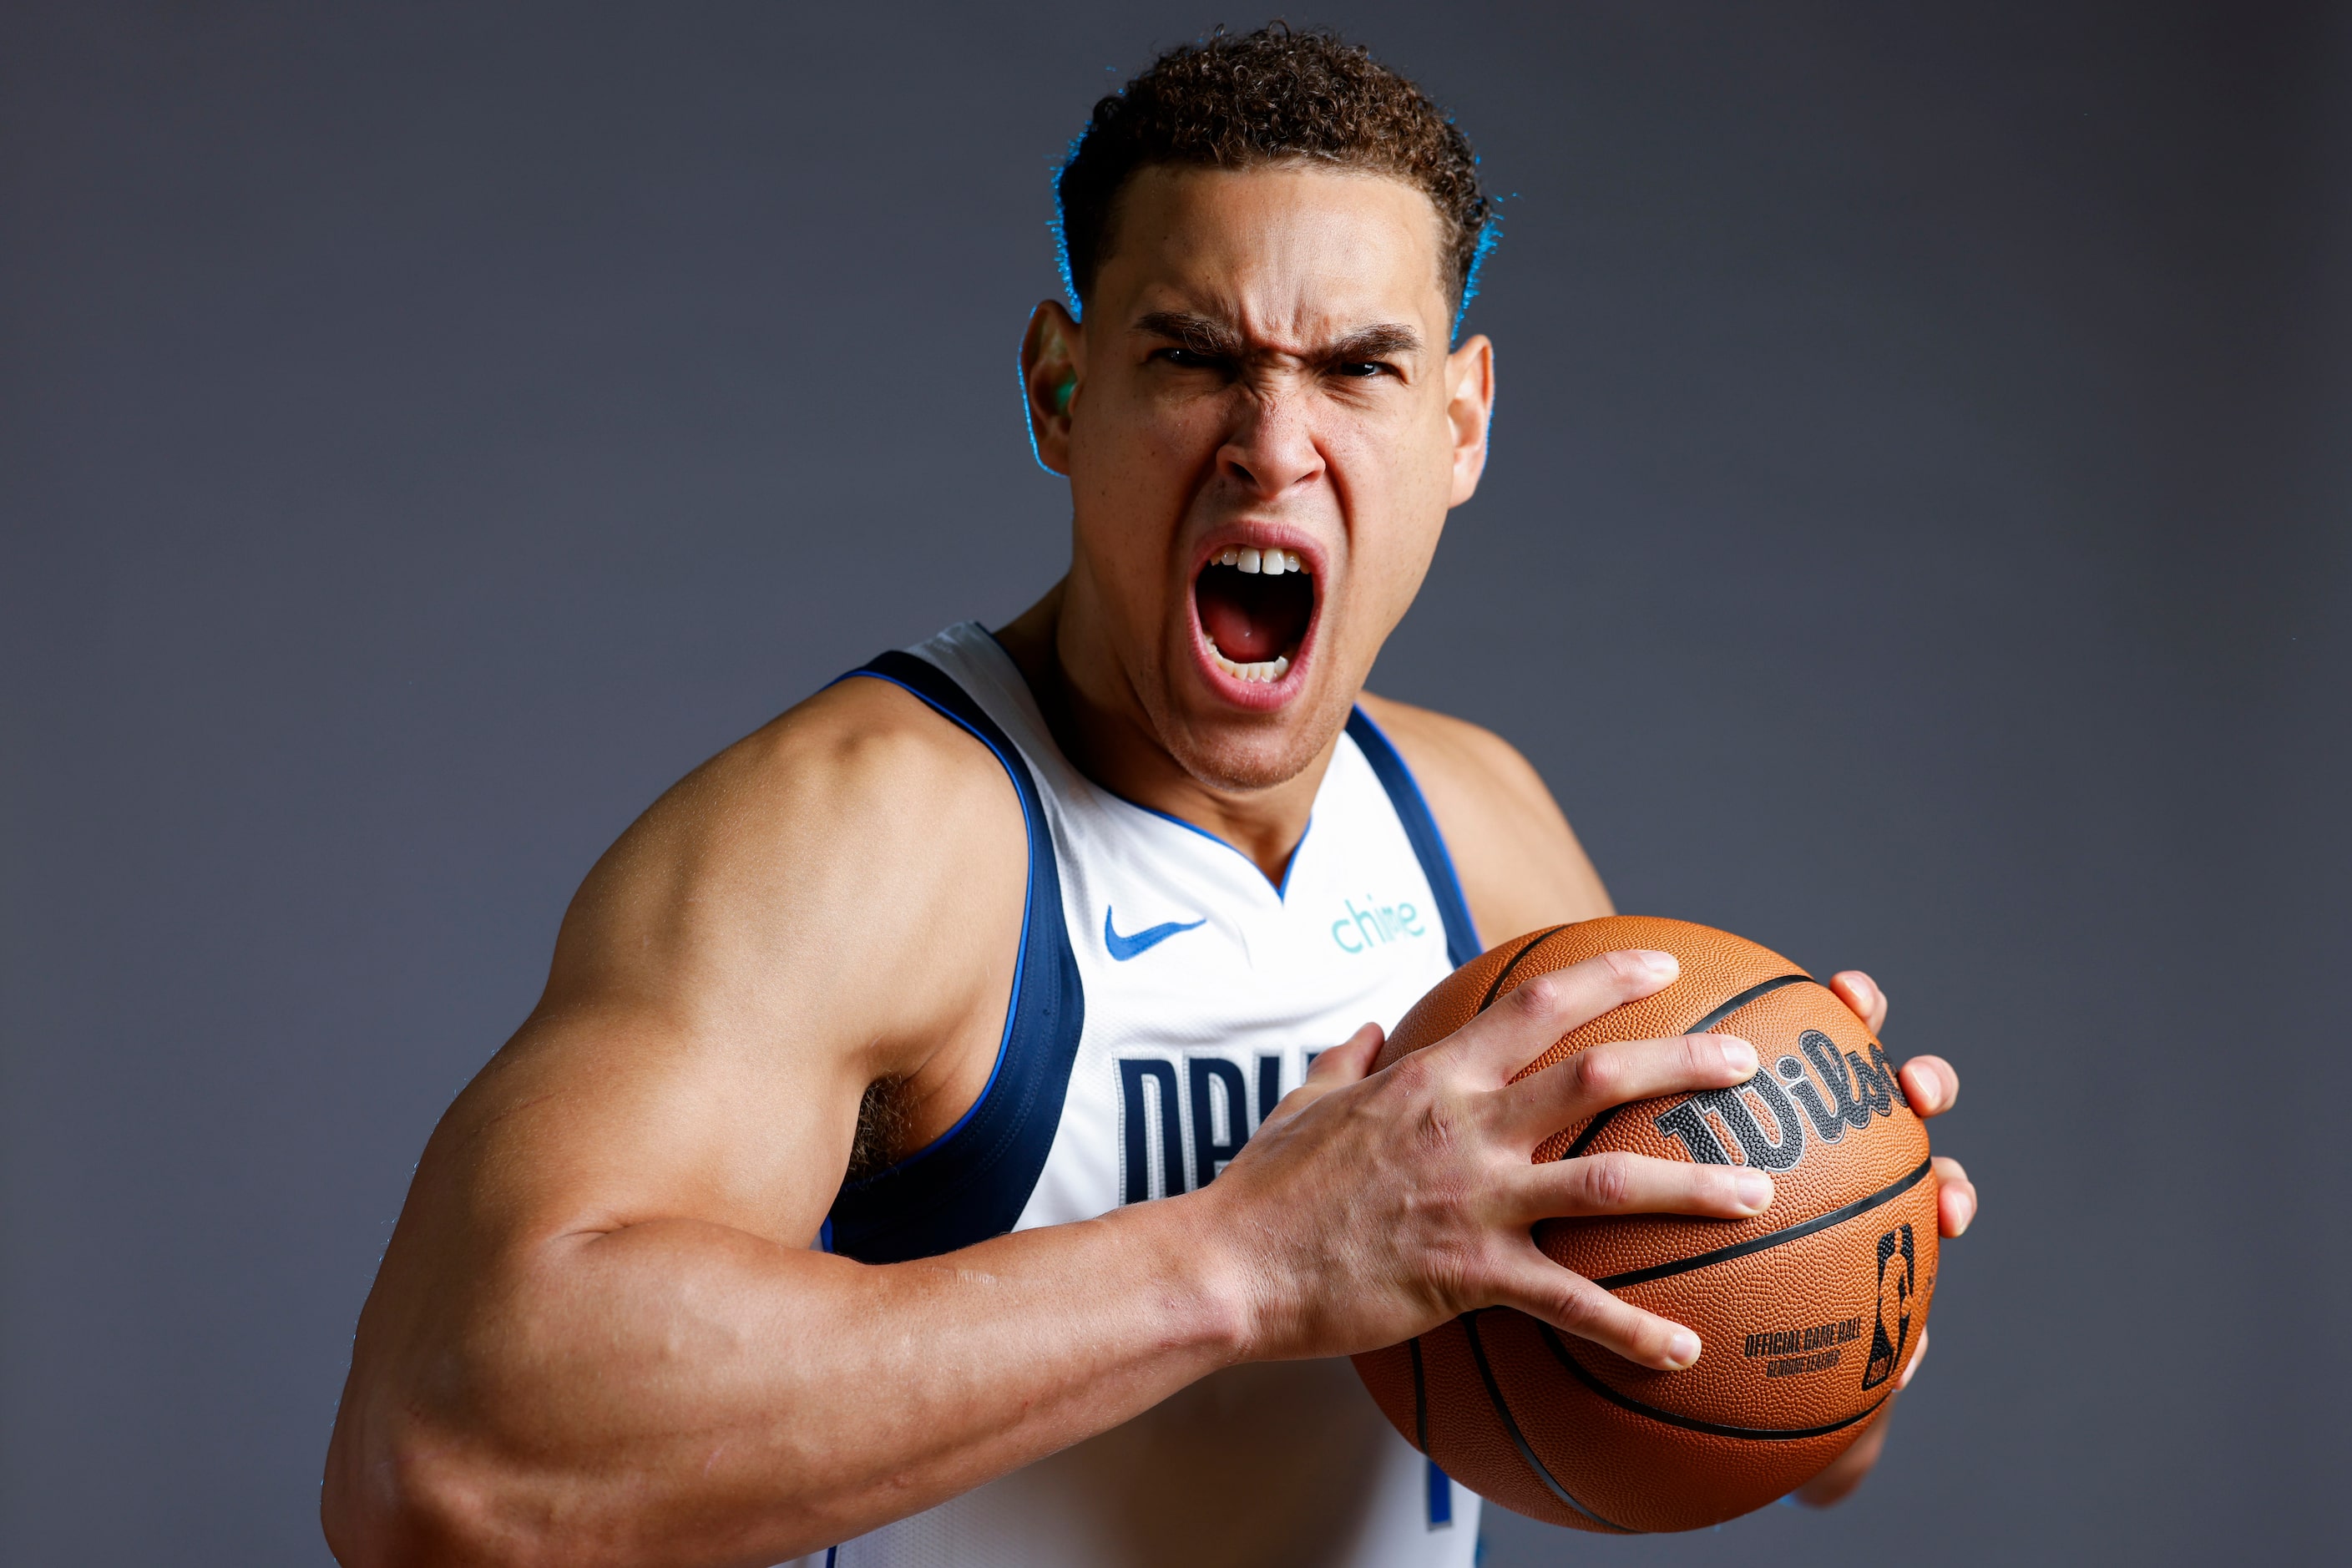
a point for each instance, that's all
(1274, 96)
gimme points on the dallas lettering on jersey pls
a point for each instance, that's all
(1711, 1124)
(1178, 1126)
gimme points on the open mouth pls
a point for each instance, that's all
(1254, 608)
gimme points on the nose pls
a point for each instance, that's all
(1272, 450)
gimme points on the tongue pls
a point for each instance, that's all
(1253, 618)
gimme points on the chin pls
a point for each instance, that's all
(1260, 757)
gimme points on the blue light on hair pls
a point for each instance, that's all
(1061, 227)
(1490, 234)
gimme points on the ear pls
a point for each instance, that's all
(1053, 357)
(1469, 407)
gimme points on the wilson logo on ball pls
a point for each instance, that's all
(1858, 1090)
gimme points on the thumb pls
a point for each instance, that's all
(1335, 1069)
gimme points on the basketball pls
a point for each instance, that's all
(1806, 1313)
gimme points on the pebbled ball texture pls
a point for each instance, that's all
(1806, 1312)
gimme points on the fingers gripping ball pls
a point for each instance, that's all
(1807, 1312)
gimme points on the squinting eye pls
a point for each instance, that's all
(1361, 370)
(1186, 359)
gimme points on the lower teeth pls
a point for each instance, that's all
(1266, 670)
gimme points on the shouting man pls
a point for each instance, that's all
(947, 1135)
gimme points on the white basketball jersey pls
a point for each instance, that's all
(1167, 996)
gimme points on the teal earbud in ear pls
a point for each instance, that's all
(1062, 394)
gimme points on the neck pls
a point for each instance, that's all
(1108, 736)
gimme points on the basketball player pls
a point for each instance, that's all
(946, 1137)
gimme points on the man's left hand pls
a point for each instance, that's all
(1932, 1086)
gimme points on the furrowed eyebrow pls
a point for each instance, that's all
(1201, 334)
(1384, 342)
(1207, 335)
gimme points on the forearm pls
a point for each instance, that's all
(686, 1392)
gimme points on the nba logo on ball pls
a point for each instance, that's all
(1895, 1277)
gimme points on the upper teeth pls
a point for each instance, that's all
(1266, 670)
(1273, 562)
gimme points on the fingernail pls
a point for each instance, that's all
(1755, 1189)
(1657, 965)
(1967, 1216)
(1738, 1055)
(1682, 1349)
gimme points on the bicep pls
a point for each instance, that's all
(770, 940)
(616, 1113)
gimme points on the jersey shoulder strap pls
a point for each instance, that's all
(971, 1182)
(1421, 830)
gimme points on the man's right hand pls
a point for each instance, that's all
(1368, 1209)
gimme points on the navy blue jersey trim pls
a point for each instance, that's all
(973, 1181)
(1420, 827)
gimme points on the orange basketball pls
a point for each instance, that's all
(1806, 1313)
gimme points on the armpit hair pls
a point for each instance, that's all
(882, 1120)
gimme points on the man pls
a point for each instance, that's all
(947, 1135)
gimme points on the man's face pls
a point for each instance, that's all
(1262, 377)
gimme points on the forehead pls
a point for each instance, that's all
(1282, 248)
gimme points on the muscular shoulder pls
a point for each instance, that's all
(858, 837)
(1520, 864)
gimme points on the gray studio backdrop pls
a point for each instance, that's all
(1917, 537)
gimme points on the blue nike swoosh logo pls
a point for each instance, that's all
(1123, 948)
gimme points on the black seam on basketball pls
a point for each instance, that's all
(1745, 997)
(1495, 988)
(1793, 1233)
(1592, 1128)
(1419, 1399)
(1578, 1370)
(1518, 1439)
